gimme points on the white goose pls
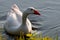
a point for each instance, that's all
(18, 21)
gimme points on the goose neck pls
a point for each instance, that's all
(24, 17)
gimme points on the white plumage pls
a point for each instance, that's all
(18, 21)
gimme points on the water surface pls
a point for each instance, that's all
(49, 9)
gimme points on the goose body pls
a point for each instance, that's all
(18, 21)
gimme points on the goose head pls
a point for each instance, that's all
(31, 10)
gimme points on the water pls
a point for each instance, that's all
(49, 9)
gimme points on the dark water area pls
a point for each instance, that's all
(49, 9)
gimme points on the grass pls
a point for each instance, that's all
(35, 37)
(32, 37)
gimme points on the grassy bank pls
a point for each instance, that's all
(32, 37)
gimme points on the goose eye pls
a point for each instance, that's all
(31, 9)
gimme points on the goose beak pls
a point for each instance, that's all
(36, 12)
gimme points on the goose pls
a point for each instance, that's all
(18, 21)
(19, 16)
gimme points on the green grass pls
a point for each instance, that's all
(32, 36)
